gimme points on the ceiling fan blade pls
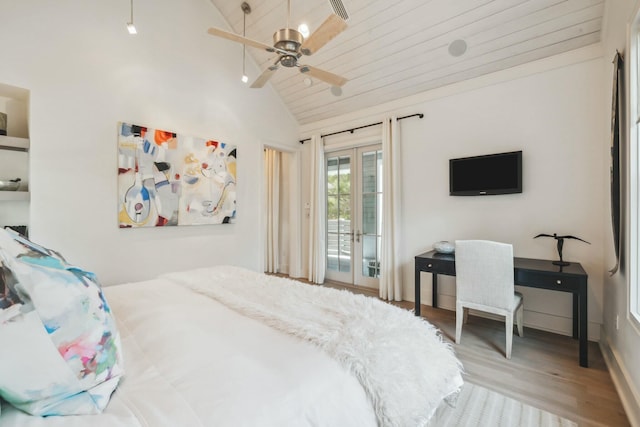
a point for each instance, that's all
(264, 77)
(236, 38)
(331, 27)
(332, 79)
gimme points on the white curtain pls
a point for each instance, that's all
(390, 285)
(317, 222)
(272, 159)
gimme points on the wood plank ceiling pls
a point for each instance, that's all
(396, 48)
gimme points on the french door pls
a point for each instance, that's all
(354, 215)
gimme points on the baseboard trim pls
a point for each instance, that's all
(629, 396)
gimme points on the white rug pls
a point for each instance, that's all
(478, 406)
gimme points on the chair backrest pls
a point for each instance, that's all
(484, 272)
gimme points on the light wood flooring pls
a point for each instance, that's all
(543, 370)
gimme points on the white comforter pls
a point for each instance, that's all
(229, 347)
(191, 361)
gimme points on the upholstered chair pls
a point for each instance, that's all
(484, 282)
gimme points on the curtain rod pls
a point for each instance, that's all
(420, 115)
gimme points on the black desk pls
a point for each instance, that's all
(534, 273)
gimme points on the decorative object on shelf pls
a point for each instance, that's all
(444, 247)
(167, 179)
(560, 240)
(3, 124)
(10, 185)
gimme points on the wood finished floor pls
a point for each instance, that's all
(543, 370)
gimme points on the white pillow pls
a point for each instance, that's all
(60, 349)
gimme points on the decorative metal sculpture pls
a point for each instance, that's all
(560, 240)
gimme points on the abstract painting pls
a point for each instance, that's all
(167, 179)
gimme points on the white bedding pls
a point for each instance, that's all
(191, 360)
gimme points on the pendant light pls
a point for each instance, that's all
(246, 9)
(130, 27)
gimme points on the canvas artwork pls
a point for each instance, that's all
(167, 179)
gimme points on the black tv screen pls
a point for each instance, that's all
(483, 175)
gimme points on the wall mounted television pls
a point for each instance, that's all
(484, 175)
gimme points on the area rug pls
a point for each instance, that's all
(478, 406)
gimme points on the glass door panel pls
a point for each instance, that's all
(339, 206)
(370, 215)
(354, 215)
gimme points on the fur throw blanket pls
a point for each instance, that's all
(402, 363)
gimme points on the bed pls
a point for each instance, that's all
(225, 346)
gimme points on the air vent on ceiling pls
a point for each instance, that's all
(339, 9)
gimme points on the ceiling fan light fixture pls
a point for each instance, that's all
(288, 61)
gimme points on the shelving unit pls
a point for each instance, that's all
(14, 143)
(14, 196)
(14, 155)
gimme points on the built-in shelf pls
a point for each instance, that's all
(14, 196)
(14, 155)
(14, 143)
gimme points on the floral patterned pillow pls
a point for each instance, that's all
(60, 350)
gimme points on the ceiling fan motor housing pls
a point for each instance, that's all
(288, 39)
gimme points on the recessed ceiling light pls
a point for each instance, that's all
(307, 82)
(304, 30)
(457, 47)
(336, 90)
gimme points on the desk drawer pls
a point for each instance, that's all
(437, 266)
(547, 281)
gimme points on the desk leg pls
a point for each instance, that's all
(584, 336)
(576, 315)
(417, 296)
(434, 291)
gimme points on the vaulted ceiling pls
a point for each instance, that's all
(396, 48)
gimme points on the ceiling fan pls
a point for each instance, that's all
(290, 45)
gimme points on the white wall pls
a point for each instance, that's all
(620, 345)
(552, 110)
(85, 74)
